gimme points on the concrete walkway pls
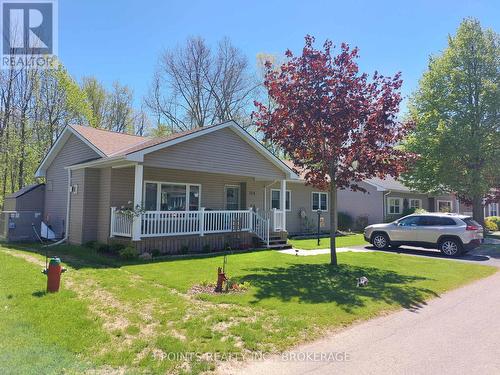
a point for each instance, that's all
(458, 333)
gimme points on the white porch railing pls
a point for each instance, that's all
(172, 223)
(275, 218)
(121, 224)
(261, 227)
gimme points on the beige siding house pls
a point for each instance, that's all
(199, 188)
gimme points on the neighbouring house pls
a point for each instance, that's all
(385, 200)
(22, 211)
(200, 189)
(490, 209)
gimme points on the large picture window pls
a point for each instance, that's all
(444, 206)
(166, 196)
(493, 209)
(276, 199)
(319, 201)
(415, 203)
(394, 206)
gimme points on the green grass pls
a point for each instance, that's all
(344, 241)
(112, 315)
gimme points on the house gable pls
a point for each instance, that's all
(73, 151)
(90, 150)
(221, 151)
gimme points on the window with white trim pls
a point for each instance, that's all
(276, 199)
(415, 203)
(493, 209)
(444, 206)
(394, 206)
(319, 201)
(169, 196)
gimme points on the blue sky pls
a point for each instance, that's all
(121, 40)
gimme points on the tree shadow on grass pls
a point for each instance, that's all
(320, 283)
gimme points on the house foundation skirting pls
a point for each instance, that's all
(194, 244)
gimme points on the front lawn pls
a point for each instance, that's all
(343, 241)
(142, 317)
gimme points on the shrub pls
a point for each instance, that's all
(116, 247)
(91, 244)
(184, 249)
(408, 211)
(344, 221)
(420, 211)
(129, 252)
(495, 219)
(155, 253)
(361, 223)
(102, 248)
(491, 223)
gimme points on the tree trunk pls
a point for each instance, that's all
(22, 156)
(478, 210)
(333, 222)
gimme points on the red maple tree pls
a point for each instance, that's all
(332, 121)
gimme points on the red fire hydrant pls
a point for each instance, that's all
(54, 274)
(221, 279)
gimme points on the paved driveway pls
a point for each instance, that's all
(458, 333)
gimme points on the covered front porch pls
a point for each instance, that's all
(181, 205)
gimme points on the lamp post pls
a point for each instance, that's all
(319, 220)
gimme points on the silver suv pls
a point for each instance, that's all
(452, 234)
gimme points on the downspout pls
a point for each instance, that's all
(384, 204)
(68, 202)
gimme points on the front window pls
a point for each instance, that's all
(276, 199)
(444, 206)
(319, 201)
(164, 196)
(151, 196)
(173, 197)
(493, 209)
(415, 203)
(394, 206)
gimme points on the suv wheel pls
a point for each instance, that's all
(450, 247)
(380, 241)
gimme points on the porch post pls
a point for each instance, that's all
(283, 204)
(250, 219)
(202, 221)
(136, 224)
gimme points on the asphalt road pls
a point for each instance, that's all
(458, 333)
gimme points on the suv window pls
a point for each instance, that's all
(409, 221)
(446, 221)
(470, 221)
(427, 221)
(434, 221)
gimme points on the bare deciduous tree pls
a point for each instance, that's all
(194, 86)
